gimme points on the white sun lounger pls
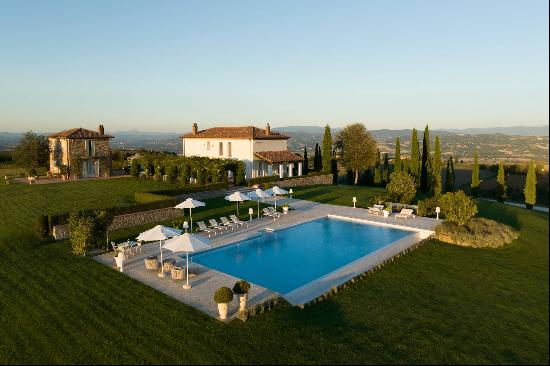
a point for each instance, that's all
(405, 213)
(237, 221)
(374, 210)
(203, 227)
(227, 223)
(214, 225)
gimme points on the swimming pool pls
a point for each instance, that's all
(288, 259)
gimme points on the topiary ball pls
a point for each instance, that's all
(223, 295)
(241, 287)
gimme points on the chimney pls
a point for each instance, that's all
(195, 129)
(268, 129)
(101, 130)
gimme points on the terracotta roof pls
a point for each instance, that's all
(247, 132)
(283, 156)
(80, 133)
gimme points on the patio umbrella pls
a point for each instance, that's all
(237, 197)
(160, 233)
(186, 243)
(275, 191)
(258, 195)
(190, 204)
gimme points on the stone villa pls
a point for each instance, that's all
(263, 151)
(90, 149)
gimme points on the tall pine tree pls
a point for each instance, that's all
(316, 157)
(305, 167)
(437, 168)
(426, 167)
(501, 183)
(327, 150)
(415, 155)
(475, 175)
(530, 190)
(397, 158)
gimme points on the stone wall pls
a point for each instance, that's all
(61, 232)
(305, 181)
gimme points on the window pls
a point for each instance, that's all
(90, 147)
(229, 149)
(221, 148)
(208, 145)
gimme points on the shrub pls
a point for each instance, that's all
(239, 174)
(427, 206)
(241, 287)
(87, 229)
(401, 188)
(477, 233)
(32, 172)
(42, 228)
(458, 207)
(378, 199)
(223, 295)
(134, 168)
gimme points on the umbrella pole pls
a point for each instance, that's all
(191, 216)
(238, 209)
(161, 274)
(186, 286)
(258, 208)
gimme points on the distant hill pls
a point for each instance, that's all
(513, 131)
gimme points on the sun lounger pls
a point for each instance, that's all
(203, 227)
(405, 213)
(374, 210)
(274, 211)
(214, 225)
(268, 212)
(227, 223)
(237, 221)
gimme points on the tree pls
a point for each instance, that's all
(401, 188)
(449, 176)
(357, 148)
(426, 167)
(415, 154)
(239, 174)
(377, 172)
(530, 190)
(305, 167)
(134, 168)
(75, 165)
(405, 166)
(458, 207)
(316, 157)
(327, 150)
(386, 173)
(501, 183)
(475, 175)
(334, 170)
(437, 168)
(32, 151)
(397, 157)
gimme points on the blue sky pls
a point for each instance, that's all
(160, 65)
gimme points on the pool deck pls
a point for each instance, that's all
(207, 280)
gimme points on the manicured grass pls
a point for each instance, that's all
(438, 304)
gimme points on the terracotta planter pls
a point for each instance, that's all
(222, 309)
(242, 302)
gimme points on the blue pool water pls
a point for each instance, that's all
(287, 259)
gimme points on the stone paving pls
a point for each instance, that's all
(207, 281)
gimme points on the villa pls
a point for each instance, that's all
(263, 151)
(89, 148)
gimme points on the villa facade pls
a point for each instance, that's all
(90, 149)
(264, 152)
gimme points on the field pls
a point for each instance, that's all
(438, 304)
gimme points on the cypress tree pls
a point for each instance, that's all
(437, 168)
(405, 165)
(397, 158)
(327, 150)
(475, 175)
(319, 158)
(377, 174)
(386, 174)
(530, 190)
(305, 167)
(316, 157)
(501, 183)
(450, 176)
(415, 154)
(334, 170)
(426, 167)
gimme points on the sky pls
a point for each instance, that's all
(162, 65)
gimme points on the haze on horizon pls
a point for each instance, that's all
(161, 65)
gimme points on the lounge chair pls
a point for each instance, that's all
(204, 228)
(227, 223)
(374, 210)
(269, 213)
(274, 211)
(214, 225)
(405, 213)
(237, 221)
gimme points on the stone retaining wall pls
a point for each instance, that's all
(61, 232)
(305, 181)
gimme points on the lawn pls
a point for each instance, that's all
(438, 304)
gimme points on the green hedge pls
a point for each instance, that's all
(275, 178)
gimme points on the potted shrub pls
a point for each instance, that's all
(285, 208)
(241, 288)
(223, 297)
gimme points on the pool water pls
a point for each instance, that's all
(287, 259)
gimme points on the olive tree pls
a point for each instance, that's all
(357, 148)
(401, 188)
